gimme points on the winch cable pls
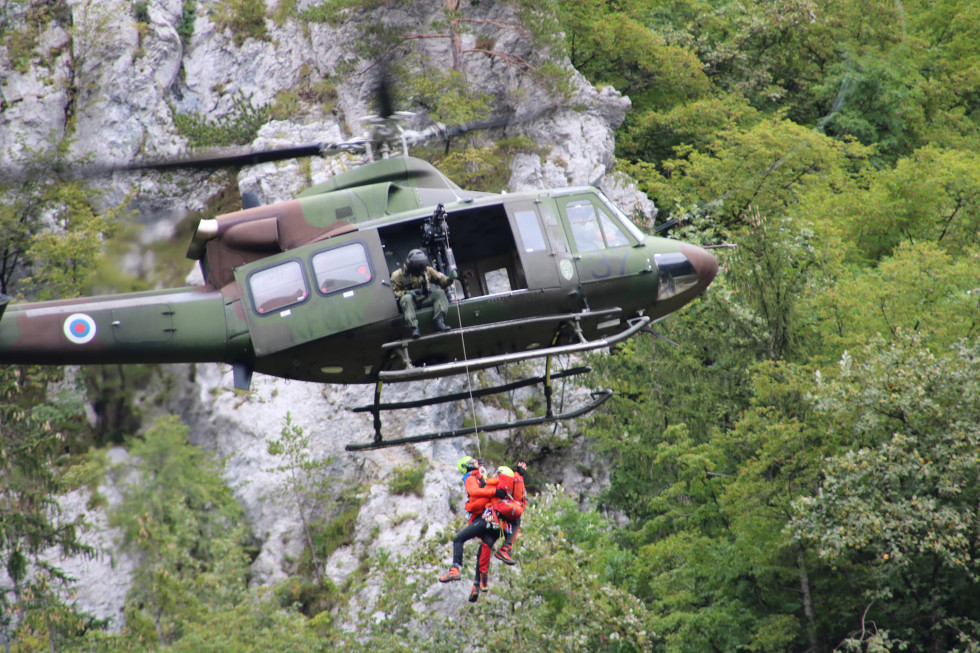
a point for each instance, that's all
(469, 381)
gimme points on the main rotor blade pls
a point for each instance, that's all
(386, 107)
(218, 161)
(452, 131)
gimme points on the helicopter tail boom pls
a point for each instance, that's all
(184, 325)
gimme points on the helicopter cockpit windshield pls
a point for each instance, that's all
(623, 219)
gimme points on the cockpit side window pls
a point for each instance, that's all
(277, 287)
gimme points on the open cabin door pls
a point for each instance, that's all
(316, 291)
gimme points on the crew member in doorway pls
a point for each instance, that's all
(417, 285)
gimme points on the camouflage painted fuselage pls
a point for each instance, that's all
(302, 289)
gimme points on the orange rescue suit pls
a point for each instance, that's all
(478, 491)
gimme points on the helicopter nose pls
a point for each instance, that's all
(704, 264)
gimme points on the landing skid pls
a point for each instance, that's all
(410, 372)
(548, 418)
(598, 398)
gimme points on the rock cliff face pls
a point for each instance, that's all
(115, 84)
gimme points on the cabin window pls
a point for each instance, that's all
(585, 227)
(341, 267)
(277, 287)
(527, 224)
(614, 233)
(498, 281)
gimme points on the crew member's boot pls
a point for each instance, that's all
(439, 321)
(415, 331)
(503, 553)
(451, 575)
(474, 593)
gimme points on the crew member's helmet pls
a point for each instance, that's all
(416, 261)
(467, 464)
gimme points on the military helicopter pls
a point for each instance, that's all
(302, 289)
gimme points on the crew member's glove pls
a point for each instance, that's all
(453, 274)
(501, 493)
(521, 468)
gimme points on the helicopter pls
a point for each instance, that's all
(301, 289)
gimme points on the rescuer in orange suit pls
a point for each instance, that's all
(479, 491)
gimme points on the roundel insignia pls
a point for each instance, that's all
(567, 270)
(79, 328)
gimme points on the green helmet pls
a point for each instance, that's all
(466, 464)
(505, 471)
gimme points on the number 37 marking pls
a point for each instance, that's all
(602, 266)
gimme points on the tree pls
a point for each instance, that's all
(184, 523)
(614, 48)
(920, 289)
(898, 507)
(37, 425)
(930, 196)
(304, 482)
(52, 232)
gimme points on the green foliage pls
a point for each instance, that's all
(22, 37)
(254, 625)
(40, 413)
(930, 196)
(245, 19)
(188, 14)
(408, 479)
(770, 269)
(483, 168)
(613, 48)
(443, 93)
(51, 232)
(920, 289)
(304, 483)
(284, 10)
(898, 507)
(141, 12)
(338, 531)
(656, 135)
(70, 253)
(239, 128)
(764, 169)
(183, 520)
(309, 597)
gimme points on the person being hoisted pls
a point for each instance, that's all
(479, 492)
(411, 284)
(509, 509)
